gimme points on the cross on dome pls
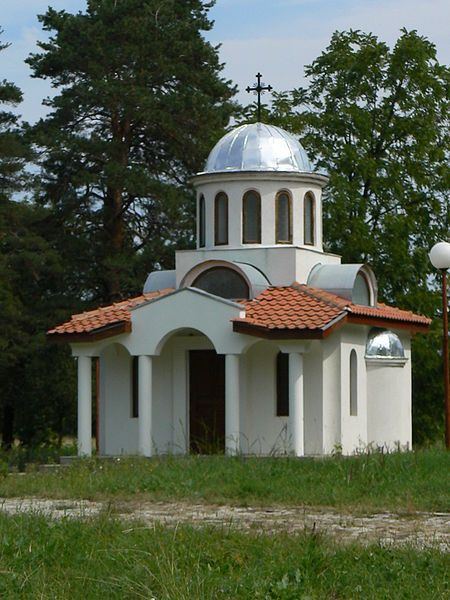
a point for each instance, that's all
(259, 89)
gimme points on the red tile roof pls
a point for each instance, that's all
(311, 312)
(107, 320)
(297, 310)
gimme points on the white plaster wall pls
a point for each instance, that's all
(282, 265)
(389, 401)
(267, 185)
(118, 430)
(353, 428)
(331, 401)
(312, 387)
(262, 432)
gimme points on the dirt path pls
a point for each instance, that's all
(422, 529)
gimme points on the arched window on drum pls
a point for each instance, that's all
(251, 218)
(309, 208)
(283, 218)
(221, 219)
(201, 221)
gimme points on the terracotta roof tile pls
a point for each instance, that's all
(90, 321)
(292, 308)
(300, 307)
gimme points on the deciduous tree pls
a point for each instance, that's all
(376, 119)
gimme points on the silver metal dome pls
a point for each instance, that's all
(383, 343)
(258, 147)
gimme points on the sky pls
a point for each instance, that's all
(275, 37)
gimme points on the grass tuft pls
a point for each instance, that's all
(101, 558)
(402, 482)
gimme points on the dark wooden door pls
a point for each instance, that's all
(206, 401)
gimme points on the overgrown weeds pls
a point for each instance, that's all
(102, 558)
(372, 482)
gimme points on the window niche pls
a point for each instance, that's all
(309, 205)
(201, 222)
(282, 375)
(221, 219)
(251, 218)
(283, 218)
(353, 384)
(134, 387)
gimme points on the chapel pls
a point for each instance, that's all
(258, 342)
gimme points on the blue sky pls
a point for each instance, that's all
(276, 37)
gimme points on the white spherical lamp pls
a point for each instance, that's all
(440, 259)
(440, 255)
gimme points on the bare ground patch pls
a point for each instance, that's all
(420, 528)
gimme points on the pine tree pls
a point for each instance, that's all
(140, 101)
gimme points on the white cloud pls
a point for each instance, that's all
(294, 33)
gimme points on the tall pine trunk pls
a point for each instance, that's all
(113, 222)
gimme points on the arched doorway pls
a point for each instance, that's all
(206, 402)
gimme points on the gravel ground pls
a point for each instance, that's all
(421, 528)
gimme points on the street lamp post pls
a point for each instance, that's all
(440, 259)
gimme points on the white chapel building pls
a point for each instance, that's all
(258, 342)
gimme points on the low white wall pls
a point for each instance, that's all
(353, 428)
(262, 432)
(312, 387)
(331, 375)
(389, 401)
(118, 430)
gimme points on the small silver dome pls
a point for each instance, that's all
(383, 343)
(258, 147)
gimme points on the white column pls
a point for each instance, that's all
(232, 404)
(145, 406)
(84, 406)
(296, 403)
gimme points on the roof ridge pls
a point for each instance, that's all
(318, 294)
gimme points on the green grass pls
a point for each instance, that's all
(19, 457)
(403, 482)
(103, 558)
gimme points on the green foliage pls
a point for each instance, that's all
(373, 482)
(104, 558)
(140, 103)
(20, 457)
(375, 119)
(30, 297)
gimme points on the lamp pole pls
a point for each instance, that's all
(440, 258)
(445, 357)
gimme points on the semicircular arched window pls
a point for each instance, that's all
(361, 291)
(251, 218)
(221, 219)
(308, 219)
(222, 282)
(201, 221)
(283, 218)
